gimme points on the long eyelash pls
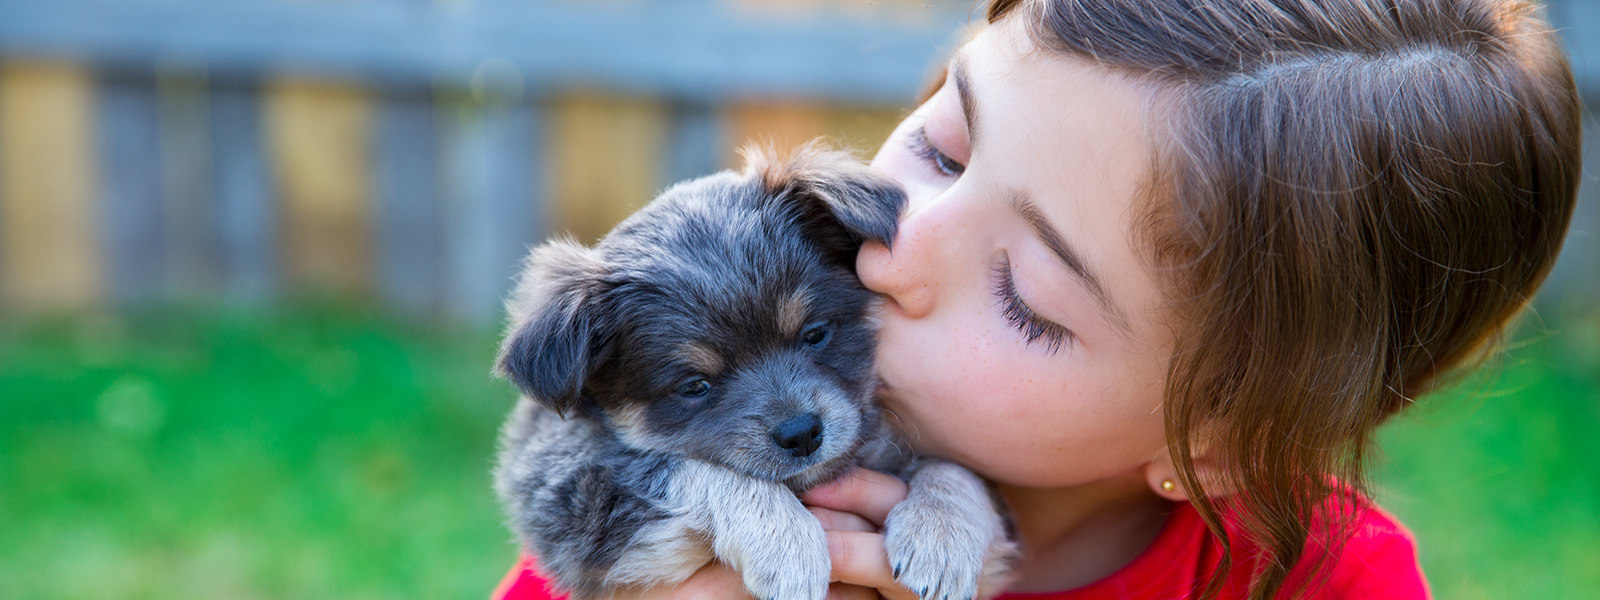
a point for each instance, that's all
(936, 159)
(1032, 326)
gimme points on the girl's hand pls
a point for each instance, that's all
(852, 510)
(713, 581)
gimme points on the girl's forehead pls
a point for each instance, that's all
(1005, 58)
(1058, 124)
(1072, 135)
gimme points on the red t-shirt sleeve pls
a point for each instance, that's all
(1379, 562)
(524, 583)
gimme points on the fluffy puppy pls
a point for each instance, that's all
(711, 357)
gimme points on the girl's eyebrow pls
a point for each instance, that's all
(958, 72)
(1022, 203)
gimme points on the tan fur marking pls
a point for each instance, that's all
(629, 423)
(792, 313)
(703, 359)
(806, 166)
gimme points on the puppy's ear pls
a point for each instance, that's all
(840, 202)
(560, 329)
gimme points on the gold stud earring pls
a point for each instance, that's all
(1167, 485)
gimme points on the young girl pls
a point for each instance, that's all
(1168, 263)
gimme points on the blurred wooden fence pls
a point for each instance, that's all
(408, 151)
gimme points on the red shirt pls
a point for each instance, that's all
(1379, 562)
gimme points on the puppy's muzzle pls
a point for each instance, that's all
(799, 436)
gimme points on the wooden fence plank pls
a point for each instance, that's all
(407, 203)
(319, 143)
(188, 205)
(494, 201)
(132, 216)
(1575, 279)
(1578, 22)
(521, 191)
(245, 198)
(697, 142)
(862, 129)
(776, 124)
(785, 124)
(606, 156)
(49, 245)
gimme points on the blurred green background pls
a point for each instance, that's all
(251, 253)
(315, 453)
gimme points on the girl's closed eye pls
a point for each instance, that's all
(1033, 327)
(940, 162)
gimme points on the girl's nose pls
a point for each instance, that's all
(903, 273)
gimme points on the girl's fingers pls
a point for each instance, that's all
(867, 493)
(860, 564)
(845, 591)
(714, 581)
(859, 559)
(833, 520)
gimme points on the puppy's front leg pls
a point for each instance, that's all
(761, 530)
(947, 535)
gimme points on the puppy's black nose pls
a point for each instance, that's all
(800, 436)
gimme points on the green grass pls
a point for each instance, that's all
(332, 454)
(320, 455)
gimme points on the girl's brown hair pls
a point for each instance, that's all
(1356, 198)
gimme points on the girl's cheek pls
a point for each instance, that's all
(963, 365)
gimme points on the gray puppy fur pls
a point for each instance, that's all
(709, 359)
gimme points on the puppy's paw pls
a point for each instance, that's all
(939, 537)
(799, 571)
(934, 552)
(760, 529)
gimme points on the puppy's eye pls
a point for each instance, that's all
(695, 388)
(817, 336)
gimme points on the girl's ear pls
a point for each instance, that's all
(1162, 477)
(1161, 474)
